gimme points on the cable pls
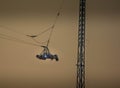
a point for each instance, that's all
(3, 36)
(44, 31)
(37, 35)
(55, 21)
(10, 29)
(50, 35)
(33, 36)
(30, 36)
(38, 41)
(59, 12)
(20, 41)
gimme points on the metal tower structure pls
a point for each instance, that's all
(81, 46)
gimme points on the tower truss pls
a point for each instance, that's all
(81, 46)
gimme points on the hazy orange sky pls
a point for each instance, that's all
(19, 68)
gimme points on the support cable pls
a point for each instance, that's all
(6, 37)
(37, 35)
(55, 21)
(50, 28)
(33, 37)
(12, 30)
(18, 32)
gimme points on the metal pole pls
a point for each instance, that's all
(81, 46)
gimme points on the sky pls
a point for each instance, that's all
(19, 68)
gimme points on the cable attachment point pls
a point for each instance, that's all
(48, 42)
(53, 26)
(32, 36)
(58, 14)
